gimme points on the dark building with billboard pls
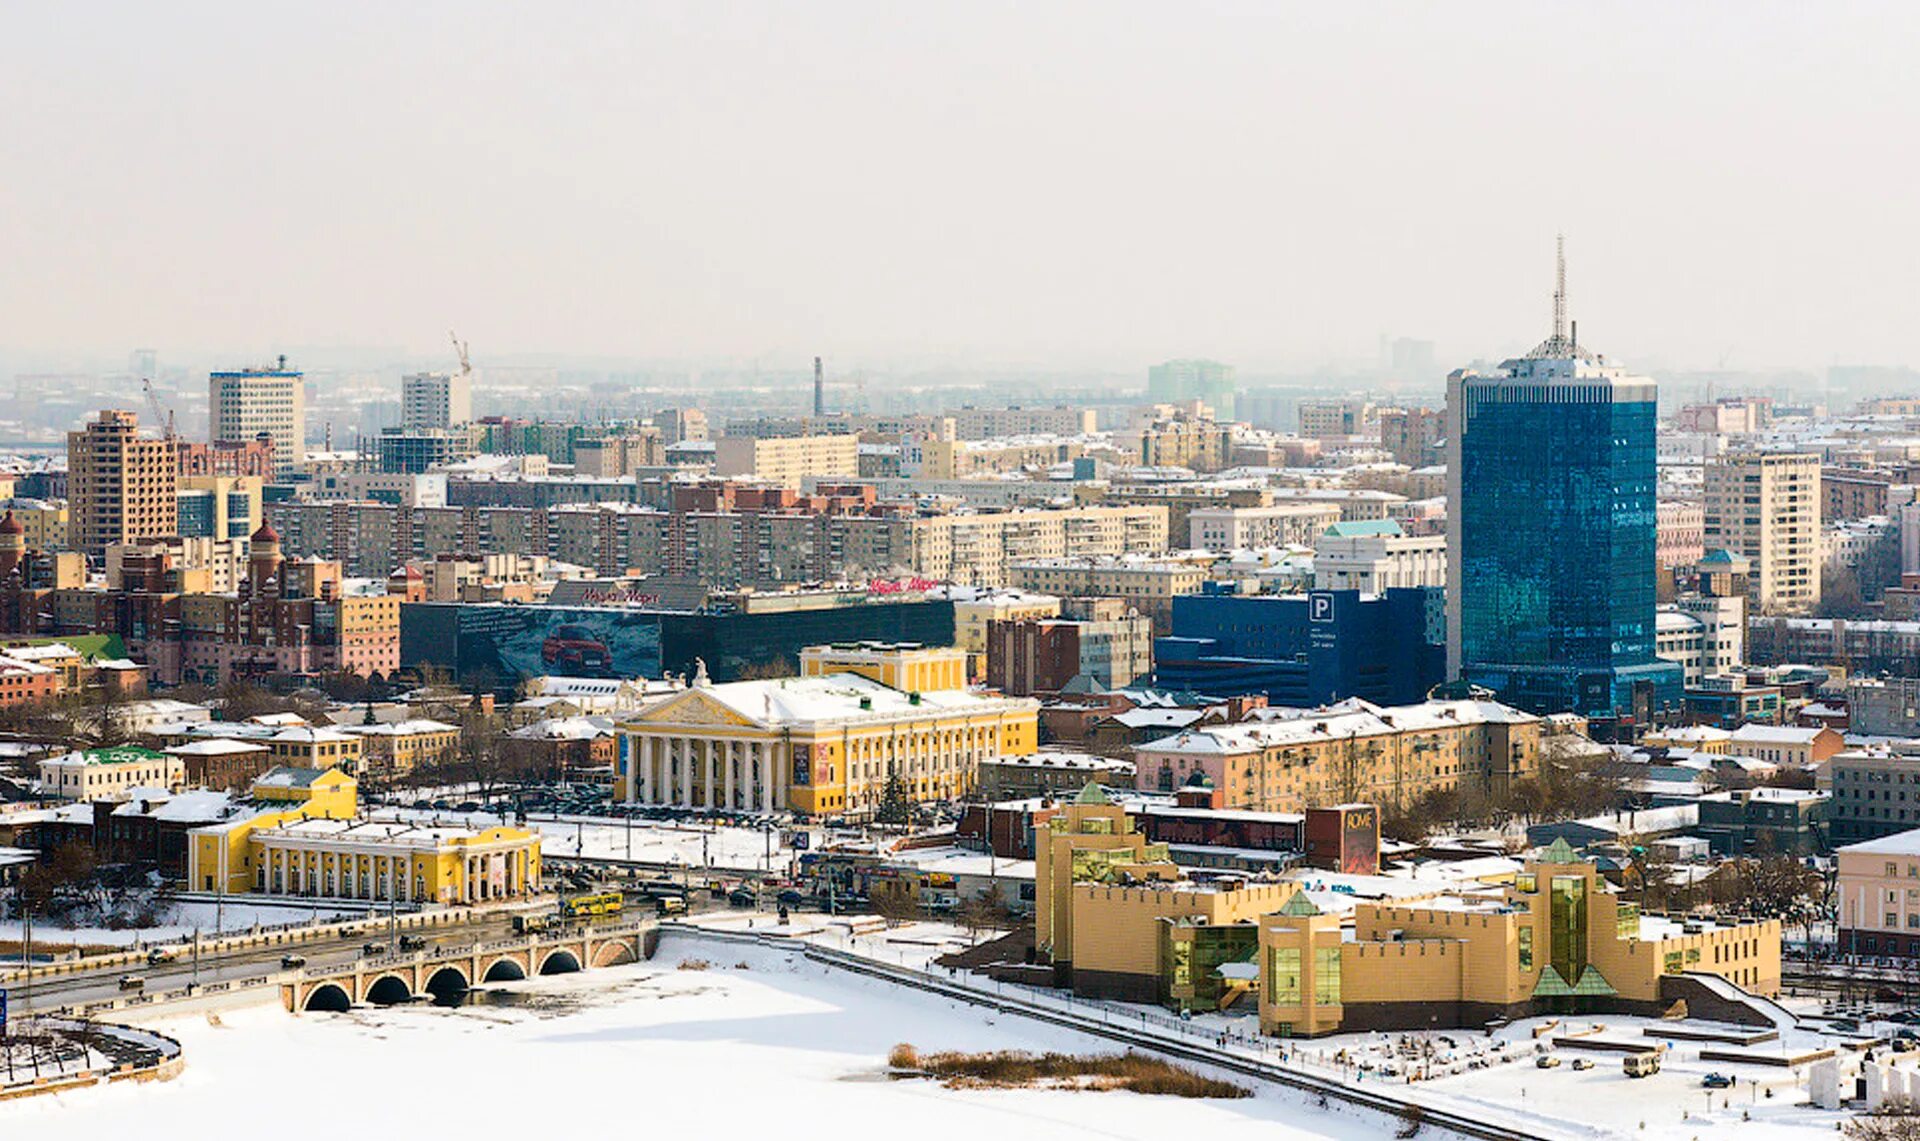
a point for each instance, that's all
(737, 636)
(1303, 650)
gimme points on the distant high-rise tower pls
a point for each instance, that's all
(243, 404)
(1550, 532)
(819, 389)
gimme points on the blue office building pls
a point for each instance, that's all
(1307, 649)
(1551, 533)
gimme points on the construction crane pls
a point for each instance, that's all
(160, 415)
(460, 347)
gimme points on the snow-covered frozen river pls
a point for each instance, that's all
(757, 1045)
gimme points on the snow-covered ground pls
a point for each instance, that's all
(179, 923)
(777, 1048)
(647, 841)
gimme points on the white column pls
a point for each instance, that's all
(729, 757)
(712, 794)
(763, 764)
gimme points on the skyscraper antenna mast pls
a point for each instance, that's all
(1559, 289)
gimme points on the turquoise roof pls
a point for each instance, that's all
(1357, 527)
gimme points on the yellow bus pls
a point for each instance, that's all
(603, 903)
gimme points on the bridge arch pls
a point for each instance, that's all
(559, 961)
(330, 997)
(613, 953)
(505, 970)
(447, 984)
(389, 990)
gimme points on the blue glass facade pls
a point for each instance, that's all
(1304, 650)
(1553, 538)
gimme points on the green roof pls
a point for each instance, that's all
(1358, 527)
(1551, 985)
(121, 755)
(1092, 793)
(90, 647)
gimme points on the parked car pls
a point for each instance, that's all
(742, 897)
(791, 897)
(1546, 1061)
(290, 961)
(1583, 1063)
(1717, 1081)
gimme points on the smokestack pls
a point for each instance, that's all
(819, 389)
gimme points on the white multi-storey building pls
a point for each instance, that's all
(247, 402)
(1377, 555)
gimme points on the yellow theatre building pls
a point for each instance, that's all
(302, 835)
(1120, 922)
(824, 743)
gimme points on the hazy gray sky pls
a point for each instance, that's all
(1080, 184)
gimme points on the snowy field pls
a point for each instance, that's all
(648, 841)
(781, 1048)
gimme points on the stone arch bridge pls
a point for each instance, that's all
(444, 972)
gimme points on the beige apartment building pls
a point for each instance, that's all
(1766, 506)
(786, 460)
(1149, 586)
(121, 486)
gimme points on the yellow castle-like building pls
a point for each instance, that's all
(1119, 920)
(301, 834)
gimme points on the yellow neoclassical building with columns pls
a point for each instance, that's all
(822, 744)
(300, 833)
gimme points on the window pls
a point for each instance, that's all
(1283, 979)
(1326, 976)
(1526, 948)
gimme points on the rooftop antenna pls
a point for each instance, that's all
(1559, 288)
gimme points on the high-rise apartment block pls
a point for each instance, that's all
(435, 400)
(1551, 481)
(245, 403)
(121, 486)
(1766, 506)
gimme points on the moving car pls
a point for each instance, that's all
(157, 956)
(294, 960)
(1546, 1062)
(1583, 1063)
(132, 982)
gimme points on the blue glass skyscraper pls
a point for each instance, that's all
(1550, 529)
